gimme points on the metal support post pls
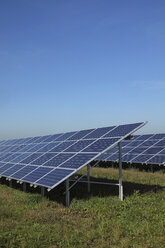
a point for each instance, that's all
(67, 193)
(88, 177)
(120, 173)
(10, 183)
(42, 191)
(24, 187)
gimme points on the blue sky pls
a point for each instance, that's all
(76, 64)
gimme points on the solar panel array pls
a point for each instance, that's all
(147, 149)
(49, 160)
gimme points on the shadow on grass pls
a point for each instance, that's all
(80, 190)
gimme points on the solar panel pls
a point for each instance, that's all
(148, 149)
(49, 160)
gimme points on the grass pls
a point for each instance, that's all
(98, 220)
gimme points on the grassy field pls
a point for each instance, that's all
(98, 220)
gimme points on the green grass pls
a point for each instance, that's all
(98, 220)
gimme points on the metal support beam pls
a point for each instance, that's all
(42, 191)
(24, 187)
(120, 173)
(88, 177)
(67, 193)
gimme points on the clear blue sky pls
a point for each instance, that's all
(73, 64)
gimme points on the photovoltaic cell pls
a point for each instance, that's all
(11, 157)
(100, 145)
(53, 137)
(62, 146)
(99, 132)
(48, 147)
(81, 134)
(78, 146)
(78, 160)
(5, 167)
(12, 170)
(54, 177)
(23, 172)
(20, 157)
(65, 136)
(59, 159)
(158, 159)
(37, 174)
(43, 158)
(29, 159)
(36, 147)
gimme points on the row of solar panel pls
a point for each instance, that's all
(142, 149)
(106, 132)
(67, 146)
(47, 163)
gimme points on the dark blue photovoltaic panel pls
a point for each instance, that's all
(62, 146)
(5, 167)
(142, 158)
(11, 157)
(147, 143)
(138, 150)
(57, 160)
(29, 159)
(12, 170)
(65, 136)
(21, 157)
(128, 157)
(162, 152)
(78, 160)
(27, 140)
(100, 145)
(2, 164)
(2, 155)
(27, 147)
(102, 156)
(53, 137)
(159, 136)
(135, 143)
(54, 177)
(99, 132)
(81, 134)
(72, 151)
(114, 149)
(20, 141)
(113, 157)
(10, 142)
(43, 158)
(5, 148)
(33, 140)
(126, 149)
(16, 148)
(42, 139)
(158, 159)
(126, 142)
(122, 130)
(5, 156)
(37, 174)
(23, 172)
(160, 143)
(48, 147)
(145, 137)
(152, 150)
(79, 145)
(36, 147)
